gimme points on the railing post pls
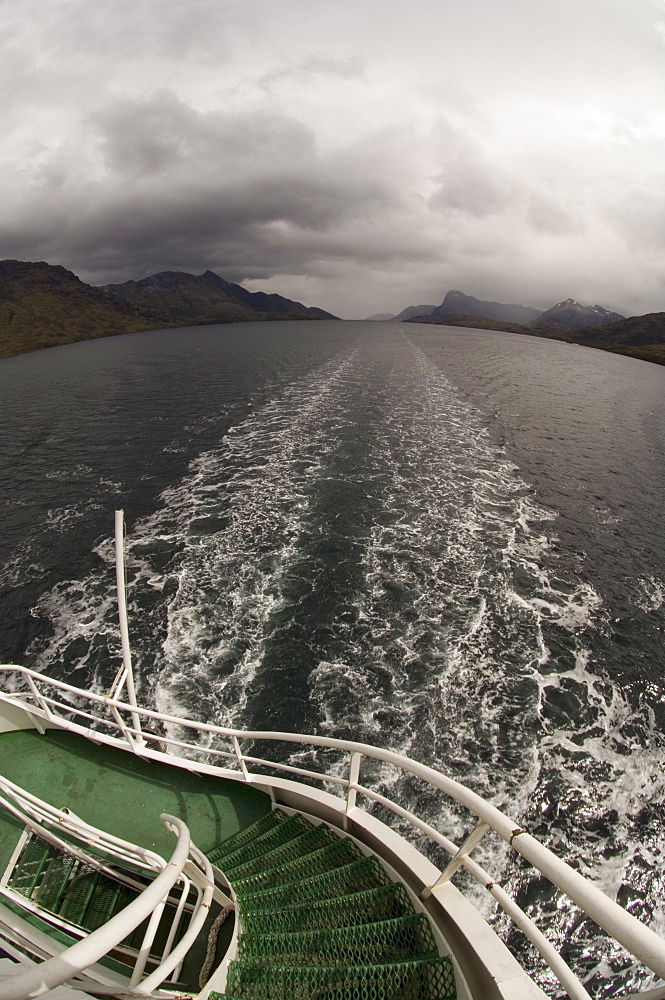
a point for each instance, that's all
(354, 774)
(122, 617)
(122, 727)
(146, 945)
(38, 698)
(241, 759)
(471, 841)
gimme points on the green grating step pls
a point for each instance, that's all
(284, 831)
(324, 859)
(396, 940)
(306, 841)
(108, 899)
(221, 996)
(429, 978)
(29, 866)
(381, 903)
(363, 874)
(249, 833)
(54, 879)
(78, 895)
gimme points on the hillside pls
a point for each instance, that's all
(177, 298)
(636, 331)
(457, 303)
(572, 316)
(43, 305)
(640, 337)
(412, 311)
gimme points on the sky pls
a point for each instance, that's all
(357, 155)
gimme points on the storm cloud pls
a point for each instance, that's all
(357, 156)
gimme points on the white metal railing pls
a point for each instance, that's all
(46, 698)
(187, 866)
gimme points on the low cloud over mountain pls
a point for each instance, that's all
(327, 153)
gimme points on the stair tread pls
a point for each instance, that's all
(326, 858)
(54, 880)
(430, 977)
(318, 917)
(29, 865)
(318, 835)
(387, 900)
(282, 832)
(248, 833)
(399, 939)
(79, 894)
(365, 873)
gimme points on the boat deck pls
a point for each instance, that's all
(123, 794)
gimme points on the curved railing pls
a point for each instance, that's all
(122, 724)
(38, 817)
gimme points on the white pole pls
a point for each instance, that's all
(122, 615)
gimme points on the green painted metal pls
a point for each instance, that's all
(381, 903)
(320, 921)
(79, 895)
(308, 840)
(110, 897)
(34, 856)
(375, 943)
(279, 833)
(123, 794)
(327, 858)
(51, 887)
(67, 887)
(431, 978)
(244, 837)
(363, 874)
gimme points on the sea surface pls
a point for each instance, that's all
(447, 542)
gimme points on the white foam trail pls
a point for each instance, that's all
(457, 532)
(466, 643)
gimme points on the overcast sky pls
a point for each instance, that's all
(358, 155)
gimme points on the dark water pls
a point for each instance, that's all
(443, 541)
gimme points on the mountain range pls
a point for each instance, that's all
(42, 305)
(590, 326)
(568, 315)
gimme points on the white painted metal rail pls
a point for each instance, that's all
(113, 723)
(42, 819)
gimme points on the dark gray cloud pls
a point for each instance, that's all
(152, 182)
(355, 152)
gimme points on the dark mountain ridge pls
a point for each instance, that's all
(205, 298)
(570, 315)
(457, 303)
(641, 337)
(43, 305)
(412, 311)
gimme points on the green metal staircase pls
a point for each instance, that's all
(81, 898)
(321, 921)
(66, 887)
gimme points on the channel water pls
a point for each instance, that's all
(447, 542)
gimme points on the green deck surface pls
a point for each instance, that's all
(123, 794)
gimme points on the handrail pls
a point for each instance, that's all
(60, 969)
(176, 956)
(626, 929)
(34, 812)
